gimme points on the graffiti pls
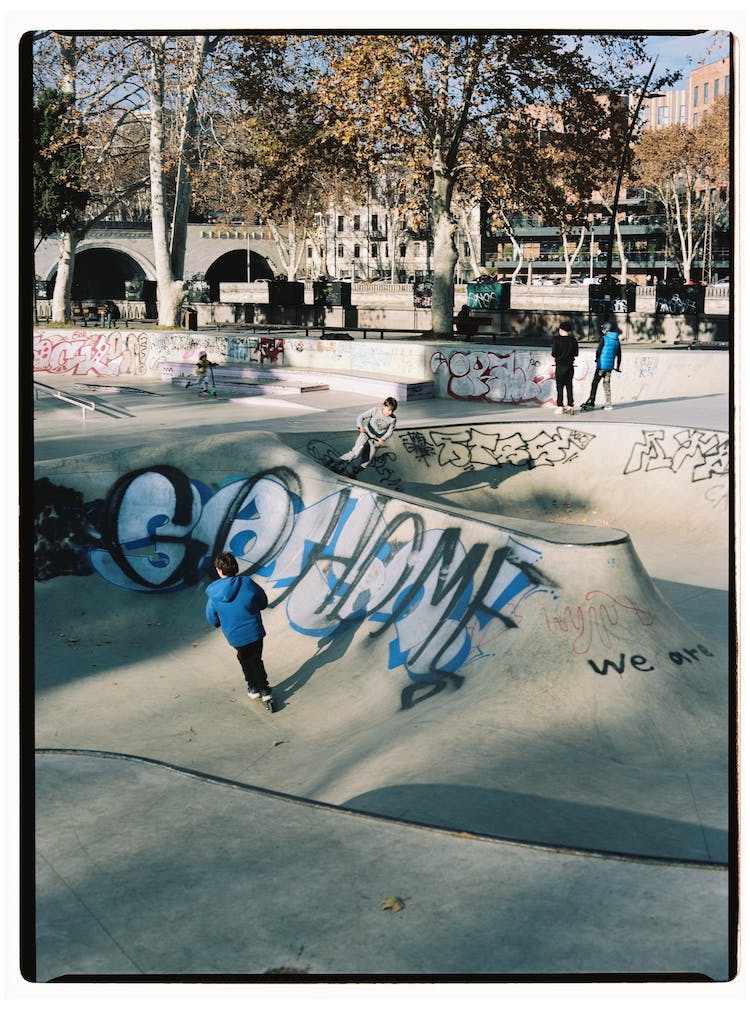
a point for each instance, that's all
(641, 663)
(78, 354)
(485, 300)
(352, 556)
(129, 352)
(677, 305)
(515, 377)
(64, 528)
(708, 451)
(270, 349)
(381, 463)
(595, 617)
(689, 654)
(417, 445)
(647, 367)
(468, 449)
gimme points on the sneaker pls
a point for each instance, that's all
(266, 696)
(558, 409)
(253, 694)
(346, 457)
(364, 465)
(570, 409)
(608, 406)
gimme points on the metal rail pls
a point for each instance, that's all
(50, 390)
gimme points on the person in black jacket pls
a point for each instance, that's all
(564, 351)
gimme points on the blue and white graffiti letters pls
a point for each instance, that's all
(161, 529)
(708, 451)
(349, 557)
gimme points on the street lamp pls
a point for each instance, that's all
(620, 173)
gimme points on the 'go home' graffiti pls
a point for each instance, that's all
(350, 557)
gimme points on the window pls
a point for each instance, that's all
(662, 115)
(356, 222)
(402, 251)
(726, 85)
(695, 95)
(683, 114)
(466, 248)
(696, 117)
(356, 251)
(340, 223)
(705, 93)
(340, 251)
(374, 250)
(309, 252)
(374, 222)
(716, 89)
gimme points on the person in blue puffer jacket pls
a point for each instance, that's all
(608, 359)
(234, 604)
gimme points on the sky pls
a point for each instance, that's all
(684, 53)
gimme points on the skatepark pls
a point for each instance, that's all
(503, 668)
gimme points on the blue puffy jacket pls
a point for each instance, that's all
(234, 604)
(609, 351)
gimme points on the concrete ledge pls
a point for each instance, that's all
(278, 380)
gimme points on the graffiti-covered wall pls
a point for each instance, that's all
(513, 375)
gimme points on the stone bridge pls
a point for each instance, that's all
(108, 257)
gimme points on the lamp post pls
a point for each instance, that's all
(618, 184)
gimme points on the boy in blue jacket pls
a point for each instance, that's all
(234, 604)
(608, 358)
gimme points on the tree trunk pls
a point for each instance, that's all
(445, 255)
(64, 278)
(476, 266)
(169, 292)
(187, 155)
(621, 253)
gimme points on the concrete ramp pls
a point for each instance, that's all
(487, 673)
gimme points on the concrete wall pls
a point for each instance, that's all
(495, 374)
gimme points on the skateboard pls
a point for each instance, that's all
(341, 468)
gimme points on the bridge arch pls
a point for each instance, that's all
(100, 272)
(237, 267)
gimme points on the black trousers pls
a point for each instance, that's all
(564, 382)
(250, 657)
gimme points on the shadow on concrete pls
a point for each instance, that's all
(536, 819)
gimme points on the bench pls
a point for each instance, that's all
(468, 325)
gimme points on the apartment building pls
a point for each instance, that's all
(686, 107)
(357, 243)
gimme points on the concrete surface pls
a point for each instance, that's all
(584, 706)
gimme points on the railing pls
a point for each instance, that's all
(48, 390)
